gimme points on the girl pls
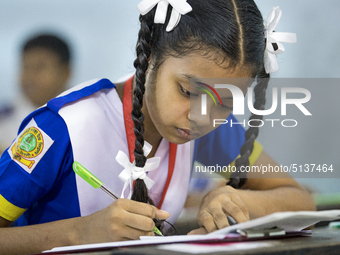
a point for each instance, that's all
(93, 122)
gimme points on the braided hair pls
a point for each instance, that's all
(229, 32)
(238, 178)
(141, 64)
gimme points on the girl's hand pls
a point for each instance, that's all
(198, 231)
(123, 220)
(216, 206)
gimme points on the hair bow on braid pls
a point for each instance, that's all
(274, 38)
(179, 7)
(131, 172)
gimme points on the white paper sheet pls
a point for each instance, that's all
(204, 248)
(144, 241)
(289, 221)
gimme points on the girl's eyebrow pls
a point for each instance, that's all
(201, 84)
(189, 76)
(194, 79)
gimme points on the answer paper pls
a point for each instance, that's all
(289, 221)
(220, 247)
(145, 240)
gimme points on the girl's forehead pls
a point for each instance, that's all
(198, 66)
(194, 70)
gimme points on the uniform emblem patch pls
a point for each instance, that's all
(30, 146)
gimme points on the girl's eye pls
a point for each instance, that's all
(186, 92)
(225, 107)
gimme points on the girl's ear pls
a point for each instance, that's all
(149, 59)
(150, 66)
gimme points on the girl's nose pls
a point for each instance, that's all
(201, 118)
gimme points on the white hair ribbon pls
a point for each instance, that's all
(131, 172)
(270, 61)
(179, 7)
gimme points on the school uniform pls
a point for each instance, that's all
(86, 124)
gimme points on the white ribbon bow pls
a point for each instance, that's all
(131, 172)
(179, 7)
(270, 61)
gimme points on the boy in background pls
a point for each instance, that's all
(44, 72)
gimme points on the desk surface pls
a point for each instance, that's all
(322, 241)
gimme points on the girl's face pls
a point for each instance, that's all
(175, 107)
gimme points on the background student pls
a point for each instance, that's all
(45, 68)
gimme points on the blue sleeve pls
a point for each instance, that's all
(19, 188)
(221, 146)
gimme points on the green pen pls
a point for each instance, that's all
(96, 183)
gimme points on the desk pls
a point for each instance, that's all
(322, 241)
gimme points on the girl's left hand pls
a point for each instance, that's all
(217, 205)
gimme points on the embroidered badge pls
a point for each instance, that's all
(30, 146)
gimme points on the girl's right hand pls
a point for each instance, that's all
(123, 220)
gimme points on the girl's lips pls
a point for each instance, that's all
(186, 134)
(183, 133)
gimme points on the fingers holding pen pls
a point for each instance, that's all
(122, 220)
(144, 209)
(129, 233)
(137, 218)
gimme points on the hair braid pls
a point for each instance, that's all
(143, 51)
(238, 178)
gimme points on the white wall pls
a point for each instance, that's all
(103, 35)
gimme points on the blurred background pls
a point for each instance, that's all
(102, 36)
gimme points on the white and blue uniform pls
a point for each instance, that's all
(86, 124)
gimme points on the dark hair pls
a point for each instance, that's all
(230, 33)
(50, 42)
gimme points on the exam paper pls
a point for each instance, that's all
(220, 247)
(289, 221)
(145, 240)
